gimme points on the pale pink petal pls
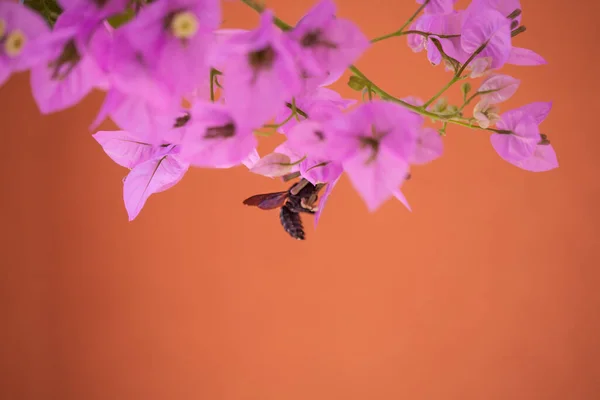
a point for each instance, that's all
(538, 110)
(273, 165)
(309, 137)
(323, 199)
(125, 148)
(500, 88)
(438, 6)
(525, 57)
(252, 159)
(543, 159)
(376, 181)
(429, 146)
(149, 177)
(320, 171)
(400, 196)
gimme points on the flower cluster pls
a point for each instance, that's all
(186, 93)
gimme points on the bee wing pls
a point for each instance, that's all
(267, 201)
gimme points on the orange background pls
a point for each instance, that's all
(488, 290)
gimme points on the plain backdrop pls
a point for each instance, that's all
(487, 290)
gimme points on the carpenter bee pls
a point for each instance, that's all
(301, 197)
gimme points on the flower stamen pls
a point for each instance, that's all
(184, 25)
(14, 43)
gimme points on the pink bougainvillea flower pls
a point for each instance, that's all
(325, 44)
(161, 55)
(498, 88)
(429, 146)
(259, 72)
(214, 138)
(523, 139)
(438, 6)
(161, 172)
(70, 72)
(374, 144)
(20, 28)
(153, 168)
(543, 158)
(486, 26)
(320, 105)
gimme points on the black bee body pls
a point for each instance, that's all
(300, 198)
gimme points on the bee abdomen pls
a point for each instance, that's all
(291, 222)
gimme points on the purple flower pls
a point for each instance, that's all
(508, 8)
(20, 28)
(161, 55)
(523, 124)
(326, 45)
(374, 144)
(215, 138)
(153, 168)
(498, 88)
(541, 156)
(438, 6)
(259, 72)
(70, 72)
(486, 26)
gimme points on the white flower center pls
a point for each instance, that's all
(14, 43)
(184, 25)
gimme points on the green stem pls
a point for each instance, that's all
(277, 126)
(442, 90)
(399, 31)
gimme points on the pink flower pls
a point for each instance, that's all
(259, 72)
(486, 26)
(162, 54)
(523, 139)
(374, 144)
(498, 88)
(20, 28)
(534, 152)
(215, 138)
(438, 6)
(153, 168)
(325, 44)
(71, 72)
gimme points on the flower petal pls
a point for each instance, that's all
(525, 57)
(500, 88)
(429, 146)
(125, 148)
(152, 176)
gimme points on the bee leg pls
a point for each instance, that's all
(299, 186)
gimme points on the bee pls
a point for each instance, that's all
(301, 197)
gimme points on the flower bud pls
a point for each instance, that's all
(357, 83)
(465, 88)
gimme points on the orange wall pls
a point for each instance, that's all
(488, 290)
